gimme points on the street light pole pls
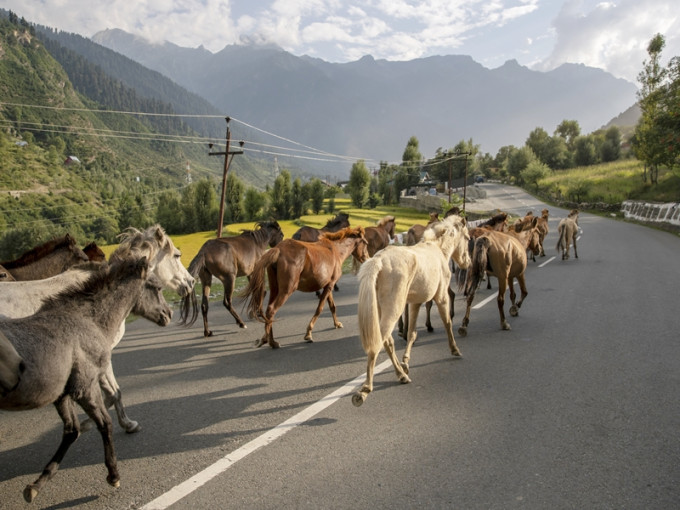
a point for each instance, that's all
(227, 160)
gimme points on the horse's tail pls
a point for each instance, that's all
(256, 288)
(478, 266)
(190, 301)
(368, 314)
(561, 241)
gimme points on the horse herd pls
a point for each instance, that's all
(63, 309)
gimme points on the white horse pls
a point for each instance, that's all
(413, 275)
(20, 299)
(567, 230)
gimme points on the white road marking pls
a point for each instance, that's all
(547, 261)
(185, 488)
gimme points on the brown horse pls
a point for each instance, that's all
(379, 237)
(501, 255)
(415, 233)
(47, 259)
(311, 234)
(227, 258)
(94, 253)
(567, 230)
(297, 265)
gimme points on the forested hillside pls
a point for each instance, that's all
(71, 161)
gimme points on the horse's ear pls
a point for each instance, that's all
(158, 232)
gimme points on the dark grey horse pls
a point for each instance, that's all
(66, 347)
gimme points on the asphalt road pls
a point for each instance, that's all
(576, 407)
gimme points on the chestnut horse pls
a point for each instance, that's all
(227, 258)
(47, 259)
(402, 276)
(501, 255)
(308, 267)
(94, 253)
(567, 231)
(379, 237)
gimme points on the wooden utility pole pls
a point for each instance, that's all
(227, 160)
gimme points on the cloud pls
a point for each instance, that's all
(612, 36)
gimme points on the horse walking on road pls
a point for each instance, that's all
(311, 234)
(501, 255)
(308, 267)
(567, 230)
(407, 275)
(45, 260)
(66, 347)
(227, 258)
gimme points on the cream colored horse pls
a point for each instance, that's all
(567, 231)
(401, 275)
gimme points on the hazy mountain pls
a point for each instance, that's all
(370, 108)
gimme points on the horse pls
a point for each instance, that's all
(5, 276)
(407, 275)
(413, 236)
(501, 255)
(227, 258)
(47, 259)
(379, 237)
(297, 265)
(529, 234)
(311, 234)
(567, 230)
(94, 252)
(11, 366)
(66, 346)
(543, 228)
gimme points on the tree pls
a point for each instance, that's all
(569, 130)
(518, 160)
(280, 197)
(234, 198)
(297, 199)
(610, 150)
(358, 187)
(206, 209)
(409, 172)
(534, 172)
(253, 204)
(167, 212)
(585, 152)
(649, 133)
(316, 194)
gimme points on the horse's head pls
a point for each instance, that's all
(360, 251)
(94, 252)
(152, 304)
(275, 232)
(455, 238)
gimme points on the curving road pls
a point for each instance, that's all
(577, 407)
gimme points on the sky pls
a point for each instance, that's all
(540, 34)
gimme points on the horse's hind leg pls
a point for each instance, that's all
(575, 252)
(229, 282)
(428, 321)
(360, 396)
(205, 304)
(326, 294)
(67, 412)
(502, 284)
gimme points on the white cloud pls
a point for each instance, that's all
(613, 36)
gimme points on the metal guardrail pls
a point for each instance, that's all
(648, 211)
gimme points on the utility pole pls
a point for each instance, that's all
(227, 160)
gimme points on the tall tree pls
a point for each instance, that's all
(358, 187)
(280, 197)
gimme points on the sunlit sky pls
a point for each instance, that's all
(540, 34)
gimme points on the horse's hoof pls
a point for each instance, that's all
(132, 427)
(243, 326)
(30, 493)
(514, 311)
(462, 331)
(338, 325)
(274, 344)
(113, 482)
(430, 329)
(456, 354)
(308, 338)
(505, 326)
(259, 343)
(404, 367)
(404, 379)
(358, 399)
(207, 334)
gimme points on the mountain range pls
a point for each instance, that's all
(370, 108)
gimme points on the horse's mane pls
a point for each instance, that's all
(102, 275)
(494, 220)
(339, 218)
(133, 240)
(343, 233)
(436, 230)
(41, 251)
(260, 232)
(384, 221)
